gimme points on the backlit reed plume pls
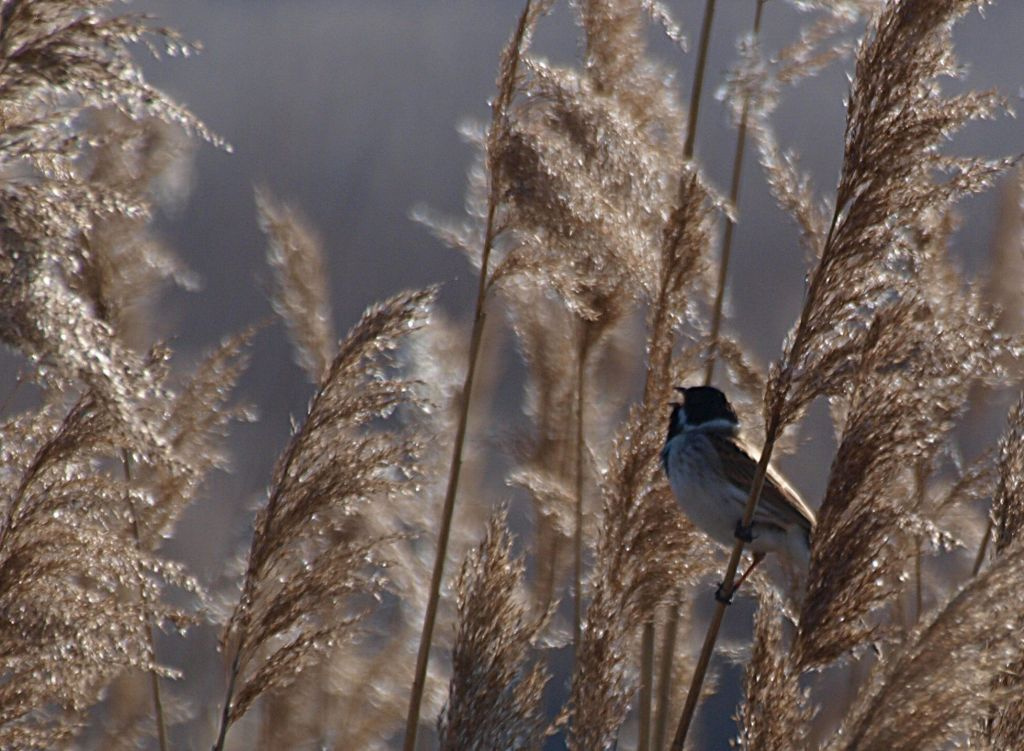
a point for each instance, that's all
(1008, 504)
(61, 58)
(645, 549)
(630, 577)
(917, 363)
(848, 342)
(900, 342)
(359, 695)
(309, 566)
(545, 332)
(299, 291)
(938, 685)
(896, 122)
(121, 263)
(358, 688)
(775, 714)
(67, 560)
(1003, 723)
(592, 153)
(198, 414)
(86, 150)
(494, 699)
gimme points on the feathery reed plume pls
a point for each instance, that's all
(895, 123)
(494, 696)
(307, 561)
(918, 361)
(588, 151)
(589, 156)
(648, 160)
(66, 559)
(499, 182)
(633, 500)
(119, 265)
(1004, 721)
(1008, 504)
(195, 424)
(120, 262)
(644, 550)
(545, 333)
(931, 691)
(299, 293)
(774, 715)
(354, 698)
(757, 83)
(48, 207)
(197, 417)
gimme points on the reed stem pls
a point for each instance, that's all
(698, 79)
(498, 112)
(229, 695)
(154, 679)
(581, 368)
(648, 636)
(646, 688)
(728, 588)
(672, 625)
(979, 559)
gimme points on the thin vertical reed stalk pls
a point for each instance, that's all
(648, 636)
(448, 510)
(979, 559)
(730, 224)
(229, 694)
(727, 590)
(498, 113)
(668, 651)
(698, 79)
(154, 679)
(581, 368)
(672, 625)
(647, 686)
(920, 478)
(771, 435)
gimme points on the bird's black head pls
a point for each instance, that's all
(702, 405)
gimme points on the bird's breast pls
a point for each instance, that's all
(695, 475)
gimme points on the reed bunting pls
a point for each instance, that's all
(711, 469)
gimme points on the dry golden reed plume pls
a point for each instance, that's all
(494, 699)
(308, 561)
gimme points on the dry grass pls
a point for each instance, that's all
(593, 230)
(494, 699)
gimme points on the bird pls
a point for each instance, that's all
(710, 469)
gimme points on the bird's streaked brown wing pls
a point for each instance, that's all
(778, 498)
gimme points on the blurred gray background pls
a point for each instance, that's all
(349, 108)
